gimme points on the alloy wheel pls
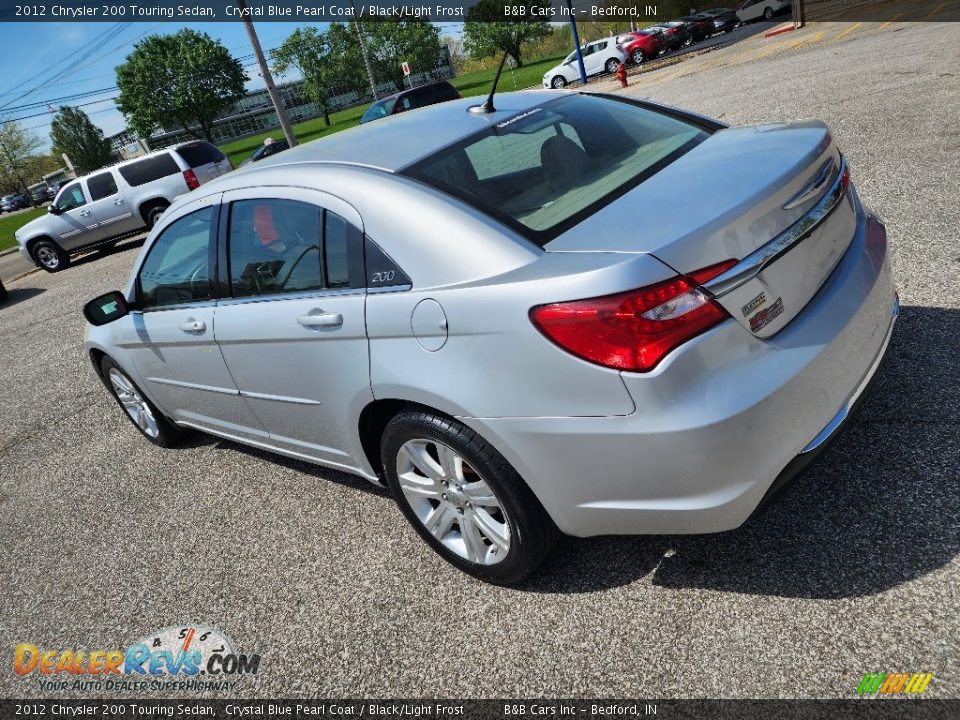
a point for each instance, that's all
(136, 406)
(453, 501)
(48, 258)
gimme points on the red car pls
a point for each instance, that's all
(641, 45)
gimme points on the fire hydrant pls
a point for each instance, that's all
(622, 74)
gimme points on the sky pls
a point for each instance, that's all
(43, 58)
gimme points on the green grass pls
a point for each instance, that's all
(475, 83)
(9, 224)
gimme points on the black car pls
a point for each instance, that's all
(39, 195)
(722, 19)
(675, 35)
(266, 150)
(16, 201)
(700, 26)
(409, 99)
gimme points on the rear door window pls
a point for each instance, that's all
(101, 186)
(199, 154)
(149, 169)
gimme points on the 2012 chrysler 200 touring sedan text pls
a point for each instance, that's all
(465, 306)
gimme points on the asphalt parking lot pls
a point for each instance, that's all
(105, 538)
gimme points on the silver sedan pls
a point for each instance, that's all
(574, 314)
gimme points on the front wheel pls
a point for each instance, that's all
(767, 13)
(688, 41)
(140, 411)
(559, 81)
(49, 256)
(611, 66)
(638, 57)
(464, 499)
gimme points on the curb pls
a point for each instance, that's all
(8, 251)
(24, 274)
(780, 30)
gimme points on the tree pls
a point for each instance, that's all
(346, 58)
(17, 147)
(486, 34)
(307, 51)
(72, 133)
(392, 43)
(187, 77)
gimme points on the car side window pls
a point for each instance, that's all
(71, 197)
(101, 186)
(177, 268)
(277, 246)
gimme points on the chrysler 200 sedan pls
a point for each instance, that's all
(462, 306)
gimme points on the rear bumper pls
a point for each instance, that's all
(721, 421)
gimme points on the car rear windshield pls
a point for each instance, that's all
(149, 169)
(550, 167)
(379, 110)
(199, 154)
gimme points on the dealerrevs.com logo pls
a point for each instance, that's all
(888, 684)
(188, 657)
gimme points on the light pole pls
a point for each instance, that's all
(363, 49)
(576, 44)
(275, 98)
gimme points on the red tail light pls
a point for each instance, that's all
(634, 330)
(191, 178)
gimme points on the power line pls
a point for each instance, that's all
(62, 98)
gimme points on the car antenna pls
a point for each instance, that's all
(487, 106)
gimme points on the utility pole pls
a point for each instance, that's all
(275, 98)
(363, 49)
(576, 44)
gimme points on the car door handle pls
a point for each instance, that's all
(86, 213)
(121, 201)
(193, 326)
(321, 320)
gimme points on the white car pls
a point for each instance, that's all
(598, 57)
(755, 9)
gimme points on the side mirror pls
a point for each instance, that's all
(53, 210)
(106, 308)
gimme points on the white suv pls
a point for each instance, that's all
(598, 57)
(757, 9)
(100, 207)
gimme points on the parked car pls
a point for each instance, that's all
(601, 56)
(16, 201)
(52, 190)
(459, 306)
(39, 195)
(723, 20)
(641, 45)
(761, 9)
(269, 147)
(417, 97)
(699, 26)
(675, 35)
(99, 208)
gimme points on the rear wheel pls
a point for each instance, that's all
(611, 65)
(688, 41)
(767, 13)
(151, 215)
(50, 256)
(559, 81)
(464, 499)
(142, 413)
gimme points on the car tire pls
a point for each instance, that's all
(611, 66)
(558, 82)
(49, 256)
(638, 57)
(141, 413)
(486, 521)
(151, 215)
(767, 13)
(688, 42)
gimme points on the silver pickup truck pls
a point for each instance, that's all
(99, 208)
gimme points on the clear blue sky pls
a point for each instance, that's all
(39, 49)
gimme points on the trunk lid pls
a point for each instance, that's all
(765, 195)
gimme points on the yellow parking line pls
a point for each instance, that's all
(846, 32)
(890, 22)
(936, 10)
